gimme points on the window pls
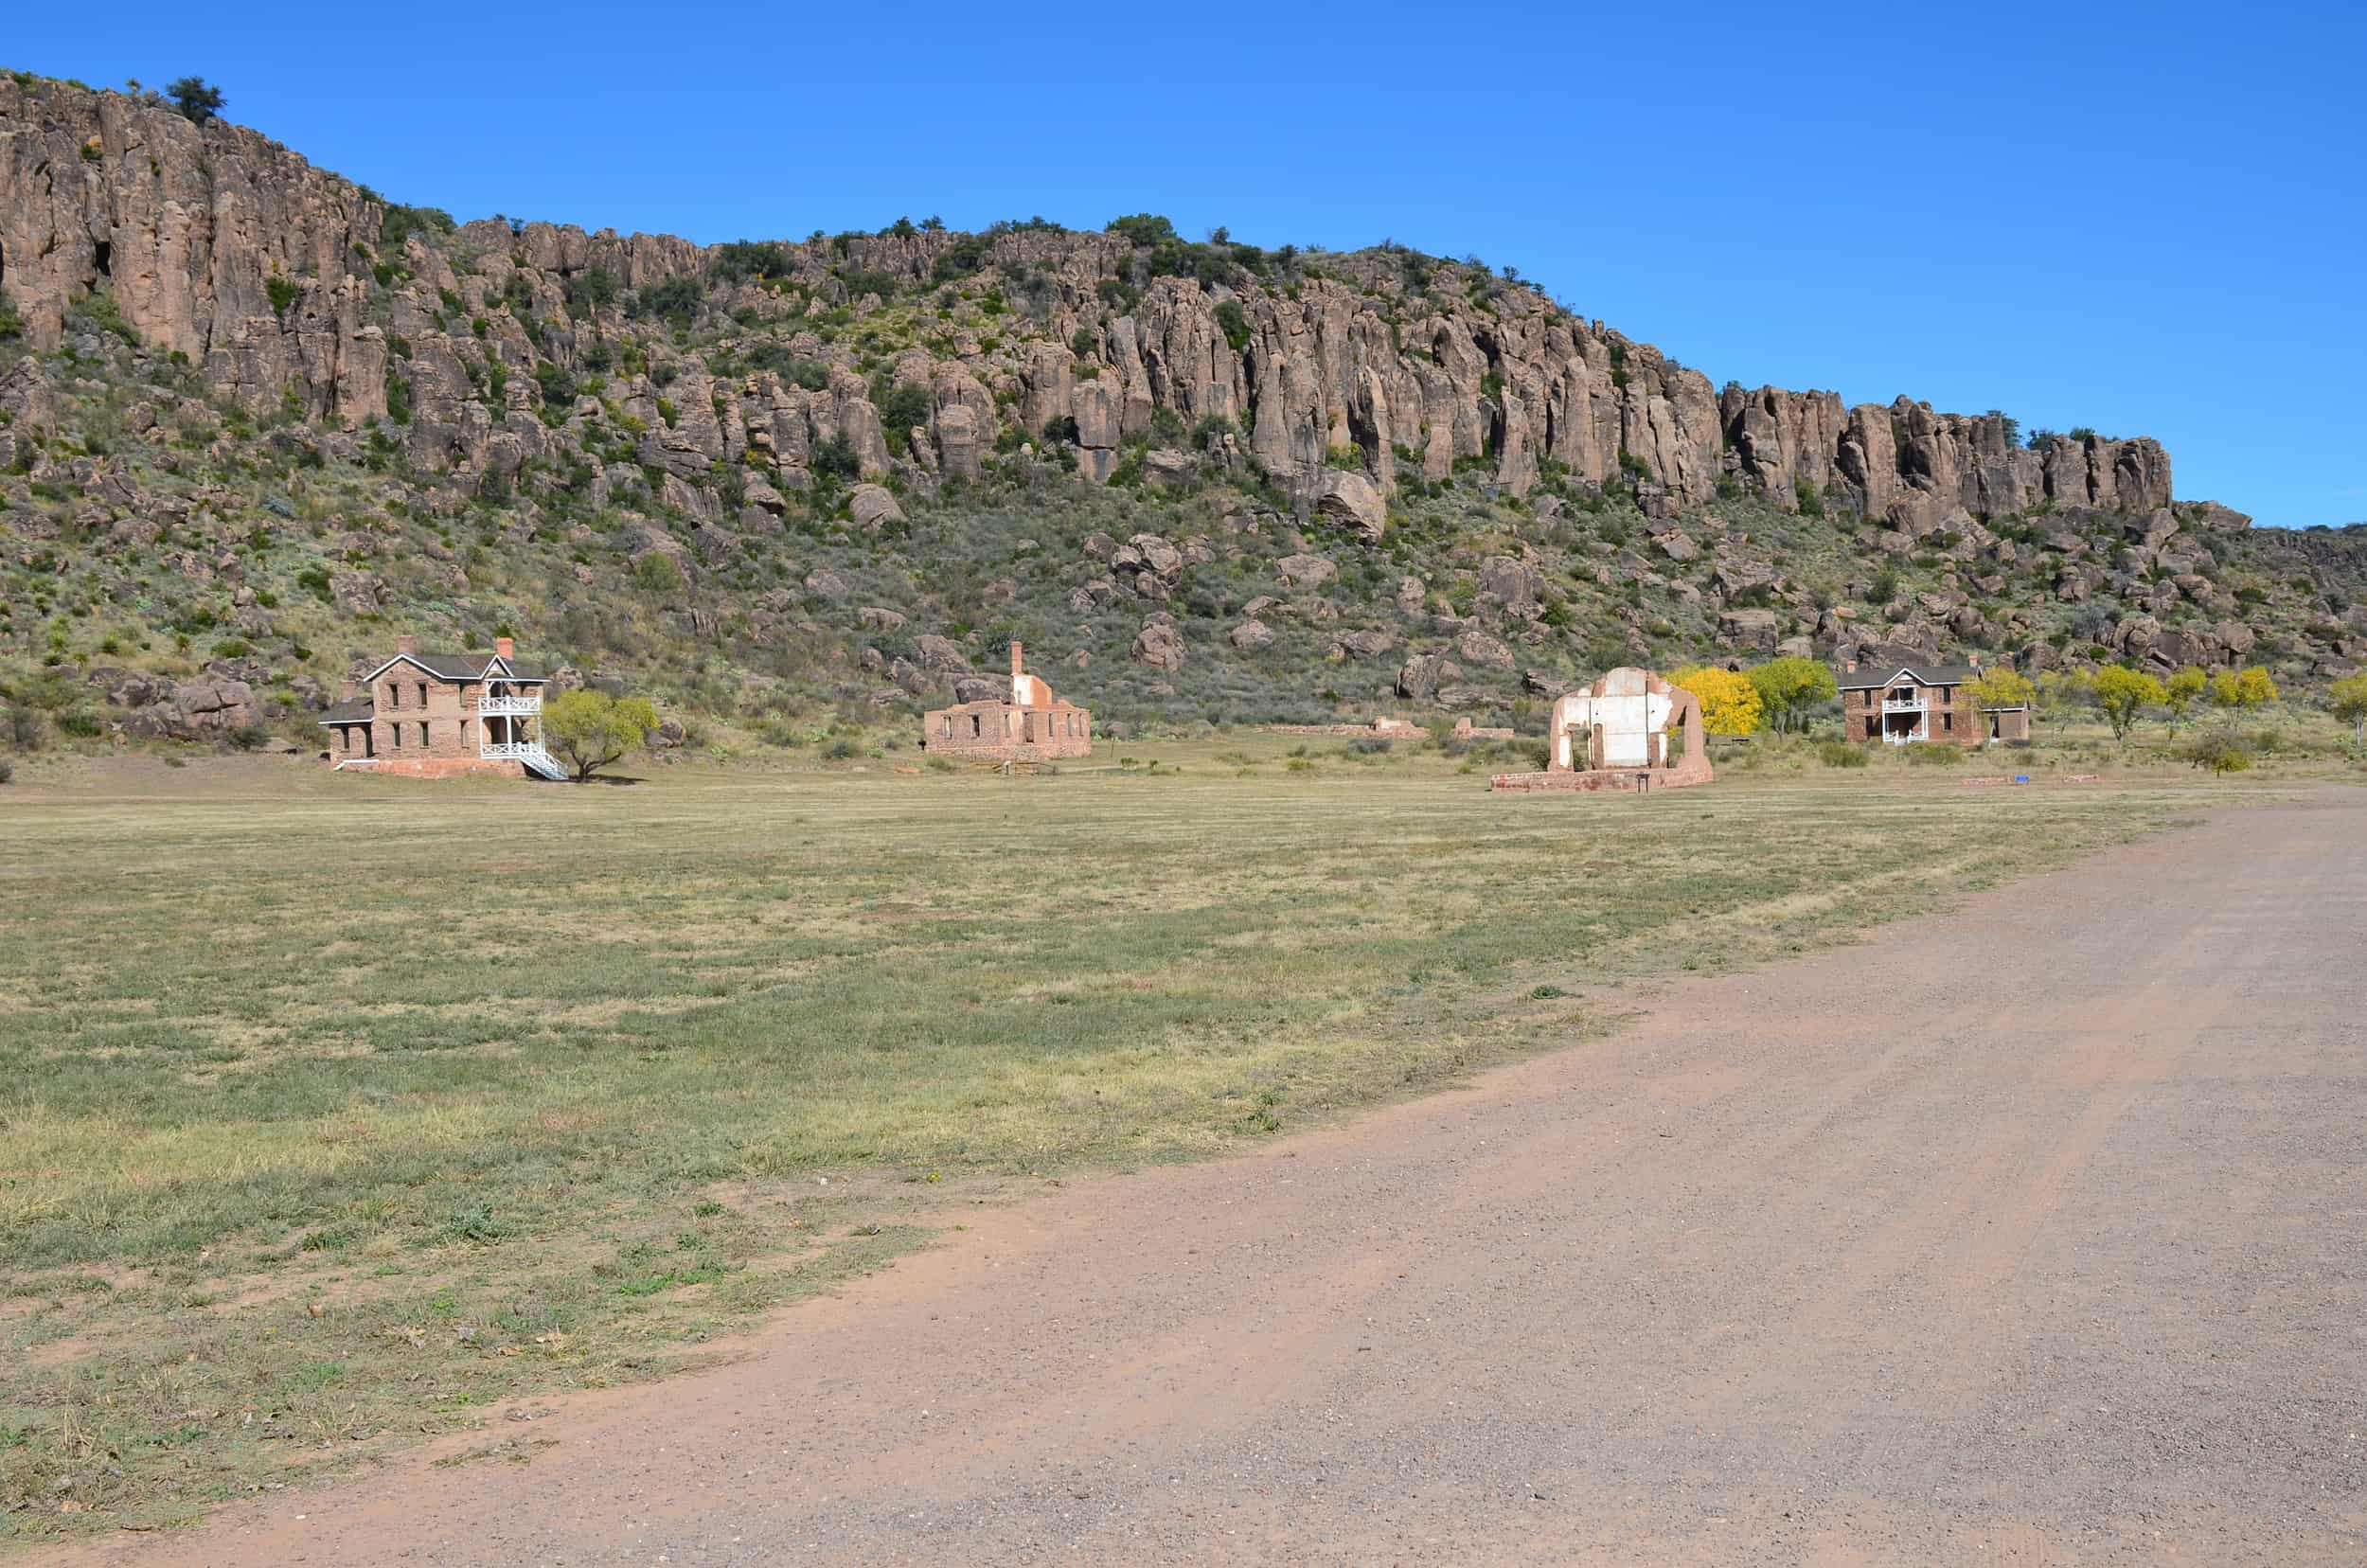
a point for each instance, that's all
(1947, 720)
(422, 694)
(977, 726)
(949, 726)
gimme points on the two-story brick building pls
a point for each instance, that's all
(1903, 704)
(433, 715)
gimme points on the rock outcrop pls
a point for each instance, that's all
(274, 277)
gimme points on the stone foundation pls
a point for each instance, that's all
(439, 767)
(1590, 779)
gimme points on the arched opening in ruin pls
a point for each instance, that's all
(106, 254)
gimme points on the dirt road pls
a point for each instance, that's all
(2033, 1234)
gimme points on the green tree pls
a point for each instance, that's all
(1789, 688)
(2350, 704)
(198, 99)
(590, 729)
(2123, 694)
(2178, 694)
(1141, 228)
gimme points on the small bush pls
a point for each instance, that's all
(1927, 754)
(1841, 754)
(2222, 753)
(7, 771)
(474, 1224)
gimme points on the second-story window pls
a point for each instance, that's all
(422, 694)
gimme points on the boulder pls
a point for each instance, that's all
(358, 593)
(873, 506)
(939, 653)
(1305, 571)
(1420, 677)
(979, 688)
(1349, 499)
(872, 618)
(1361, 645)
(1751, 629)
(1169, 469)
(1512, 582)
(1159, 645)
(1249, 634)
(1481, 649)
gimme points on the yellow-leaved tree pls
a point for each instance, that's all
(2349, 698)
(2180, 691)
(2001, 688)
(1730, 704)
(2123, 694)
(2243, 689)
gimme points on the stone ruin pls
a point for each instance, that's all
(1613, 735)
(1030, 725)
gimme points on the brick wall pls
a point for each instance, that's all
(998, 732)
(1953, 718)
(421, 715)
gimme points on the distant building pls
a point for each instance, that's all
(1032, 726)
(1613, 735)
(1904, 703)
(433, 715)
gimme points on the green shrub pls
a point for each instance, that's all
(836, 458)
(1841, 754)
(1235, 321)
(283, 292)
(2221, 752)
(1929, 754)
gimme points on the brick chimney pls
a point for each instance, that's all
(1975, 660)
(406, 644)
(504, 648)
(1015, 669)
(1849, 666)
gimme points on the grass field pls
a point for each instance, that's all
(336, 1110)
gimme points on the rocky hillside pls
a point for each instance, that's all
(255, 416)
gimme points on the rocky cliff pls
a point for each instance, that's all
(274, 279)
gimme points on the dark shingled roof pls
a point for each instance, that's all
(467, 667)
(1881, 675)
(353, 710)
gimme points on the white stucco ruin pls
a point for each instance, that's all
(1626, 720)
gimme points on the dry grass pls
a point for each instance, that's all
(337, 1109)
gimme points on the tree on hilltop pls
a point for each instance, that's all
(198, 99)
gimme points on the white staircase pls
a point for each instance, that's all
(531, 752)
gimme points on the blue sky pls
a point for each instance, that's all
(2146, 219)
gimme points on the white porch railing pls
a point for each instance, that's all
(519, 705)
(531, 752)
